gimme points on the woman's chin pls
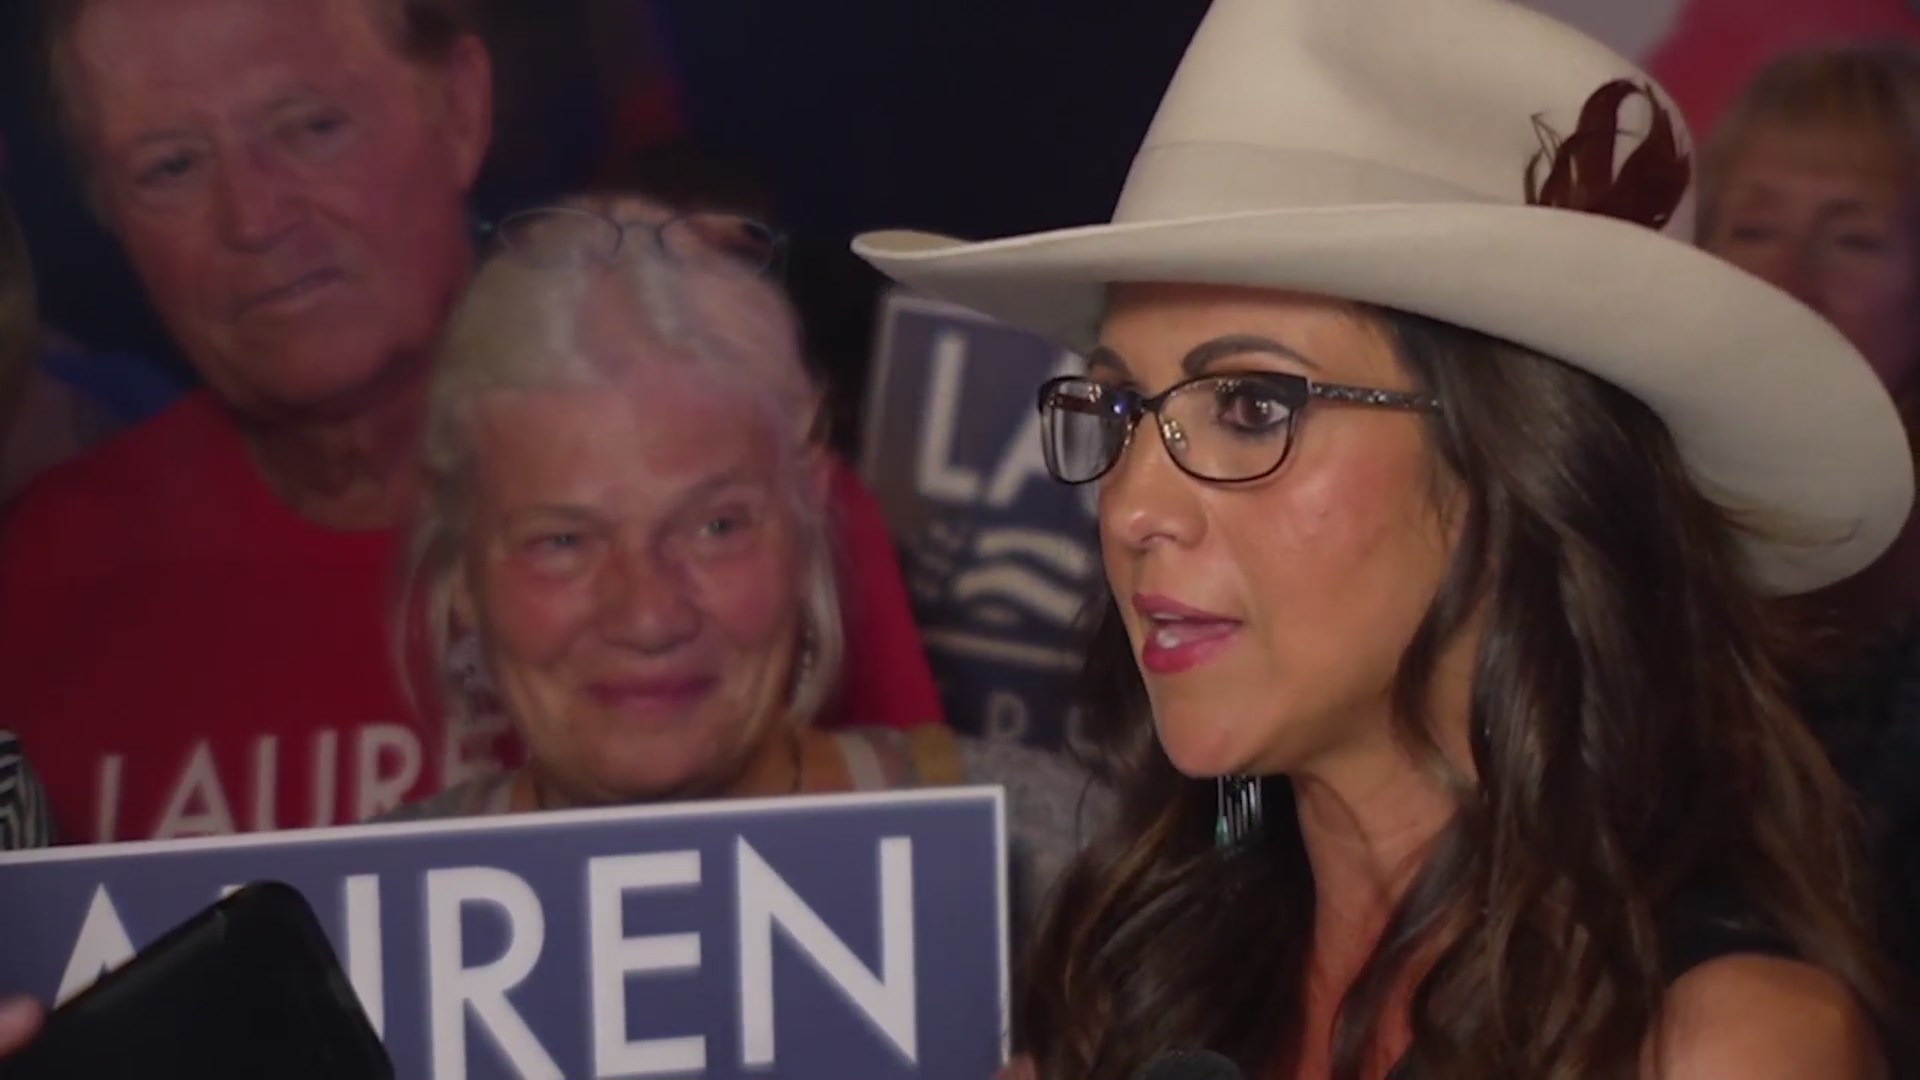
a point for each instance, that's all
(633, 790)
(646, 780)
(1201, 752)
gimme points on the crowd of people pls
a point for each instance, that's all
(1547, 705)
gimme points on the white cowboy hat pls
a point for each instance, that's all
(1379, 151)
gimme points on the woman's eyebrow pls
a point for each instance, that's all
(1202, 356)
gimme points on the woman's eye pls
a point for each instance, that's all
(1749, 234)
(1862, 243)
(727, 524)
(722, 531)
(1249, 409)
(561, 547)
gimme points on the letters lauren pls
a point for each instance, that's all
(460, 991)
(339, 776)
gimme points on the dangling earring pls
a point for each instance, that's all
(1237, 817)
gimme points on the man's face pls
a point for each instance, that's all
(289, 188)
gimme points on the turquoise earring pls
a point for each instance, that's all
(1237, 817)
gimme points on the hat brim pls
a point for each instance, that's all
(1774, 412)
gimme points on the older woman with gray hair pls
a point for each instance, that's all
(627, 514)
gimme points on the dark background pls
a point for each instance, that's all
(982, 118)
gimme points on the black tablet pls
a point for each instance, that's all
(248, 988)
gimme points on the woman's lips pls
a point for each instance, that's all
(1180, 637)
(650, 696)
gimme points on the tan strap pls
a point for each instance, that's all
(935, 754)
(865, 770)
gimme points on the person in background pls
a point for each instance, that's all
(56, 399)
(1443, 483)
(27, 447)
(1710, 48)
(192, 639)
(686, 175)
(1812, 182)
(24, 821)
(628, 506)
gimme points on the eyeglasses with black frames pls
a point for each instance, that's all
(1227, 428)
(570, 236)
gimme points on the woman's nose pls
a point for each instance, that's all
(644, 602)
(1146, 498)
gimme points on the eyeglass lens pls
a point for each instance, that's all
(564, 236)
(744, 240)
(559, 236)
(1222, 427)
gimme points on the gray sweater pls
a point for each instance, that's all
(1053, 808)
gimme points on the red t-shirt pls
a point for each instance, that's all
(180, 654)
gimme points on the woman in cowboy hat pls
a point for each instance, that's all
(1442, 485)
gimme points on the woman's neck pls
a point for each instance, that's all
(1366, 836)
(1368, 820)
(778, 766)
(1364, 842)
(1368, 816)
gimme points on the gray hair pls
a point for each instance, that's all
(423, 31)
(529, 326)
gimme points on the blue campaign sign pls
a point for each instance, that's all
(808, 938)
(1000, 559)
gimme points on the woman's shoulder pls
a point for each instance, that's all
(1048, 792)
(887, 759)
(934, 755)
(1053, 806)
(1760, 1017)
(1041, 778)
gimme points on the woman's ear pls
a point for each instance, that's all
(816, 459)
(816, 475)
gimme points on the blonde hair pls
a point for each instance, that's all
(528, 326)
(1869, 89)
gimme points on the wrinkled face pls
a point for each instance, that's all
(1268, 617)
(289, 189)
(635, 566)
(1830, 219)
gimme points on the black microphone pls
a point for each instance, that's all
(1191, 1065)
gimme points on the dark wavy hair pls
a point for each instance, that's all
(1640, 768)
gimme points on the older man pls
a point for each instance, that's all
(190, 630)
